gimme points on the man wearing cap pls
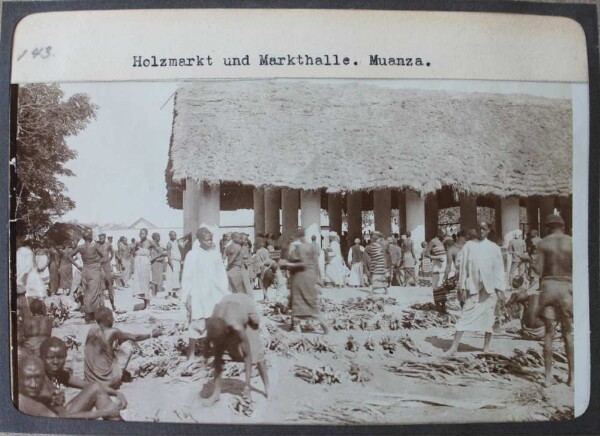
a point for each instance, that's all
(355, 260)
(555, 266)
(480, 285)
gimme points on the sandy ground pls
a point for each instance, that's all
(386, 398)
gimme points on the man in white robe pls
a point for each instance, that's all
(203, 284)
(481, 283)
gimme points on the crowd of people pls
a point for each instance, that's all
(215, 282)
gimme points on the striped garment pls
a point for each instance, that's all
(376, 262)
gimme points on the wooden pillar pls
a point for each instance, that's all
(402, 211)
(498, 217)
(258, 197)
(510, 218)
(272, 201)
(334, 210)
(209, 202)
(415, 218)
(468, 212)
(310, 215)
(382, 209)
(546, 208)
(191, 210)
(532, 205)
(354, 215)
(431, 216)
(289, 212)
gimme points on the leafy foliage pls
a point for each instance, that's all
(45, 119)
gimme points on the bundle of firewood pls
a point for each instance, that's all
(369, 304)
(532, 358)
(71, 342)
(351, 344)
(167, 306)
(304, 344)
(321, 375)
(241, 405)
(388, 344)
(275, 308)
(60, 312)
(423, 319)
(487, 366)
(359, 374)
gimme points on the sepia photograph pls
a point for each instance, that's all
(297, 251)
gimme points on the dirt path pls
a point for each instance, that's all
(387, 397)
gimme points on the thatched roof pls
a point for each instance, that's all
(354, 136)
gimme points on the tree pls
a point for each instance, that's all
(44, 121)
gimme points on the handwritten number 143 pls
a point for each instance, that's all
(41, 52)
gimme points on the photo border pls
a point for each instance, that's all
(11, 420)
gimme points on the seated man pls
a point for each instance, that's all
(34, 399)
(233, 329)
(53, 353)
(532, 327)
(36, 327)
(102, 363)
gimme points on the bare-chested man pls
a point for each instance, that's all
(107, 277)
(36, 398)
(102, 363)
(532, 327)
(36, 327)
(235, 264)
(92, 257)
(555, 266)
(233, 329)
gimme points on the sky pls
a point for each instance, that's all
(122, 154)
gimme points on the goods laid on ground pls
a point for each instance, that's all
(59, 311)
(241, 405)
(424, 319)
(71, 342)
(324, 374)
(484, 366)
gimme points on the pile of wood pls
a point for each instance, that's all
(167, 306)
(321, 375)
(409, 345)
(342, 412)
(372, 304)
(60, 312)
(241, 406)
(282, 344)
(458, 371)
(534, 359)
(351, 344)
(424, 319)
(359, 374)
(388, 344)
(369, 304)
(72, 342)
(275, 308)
